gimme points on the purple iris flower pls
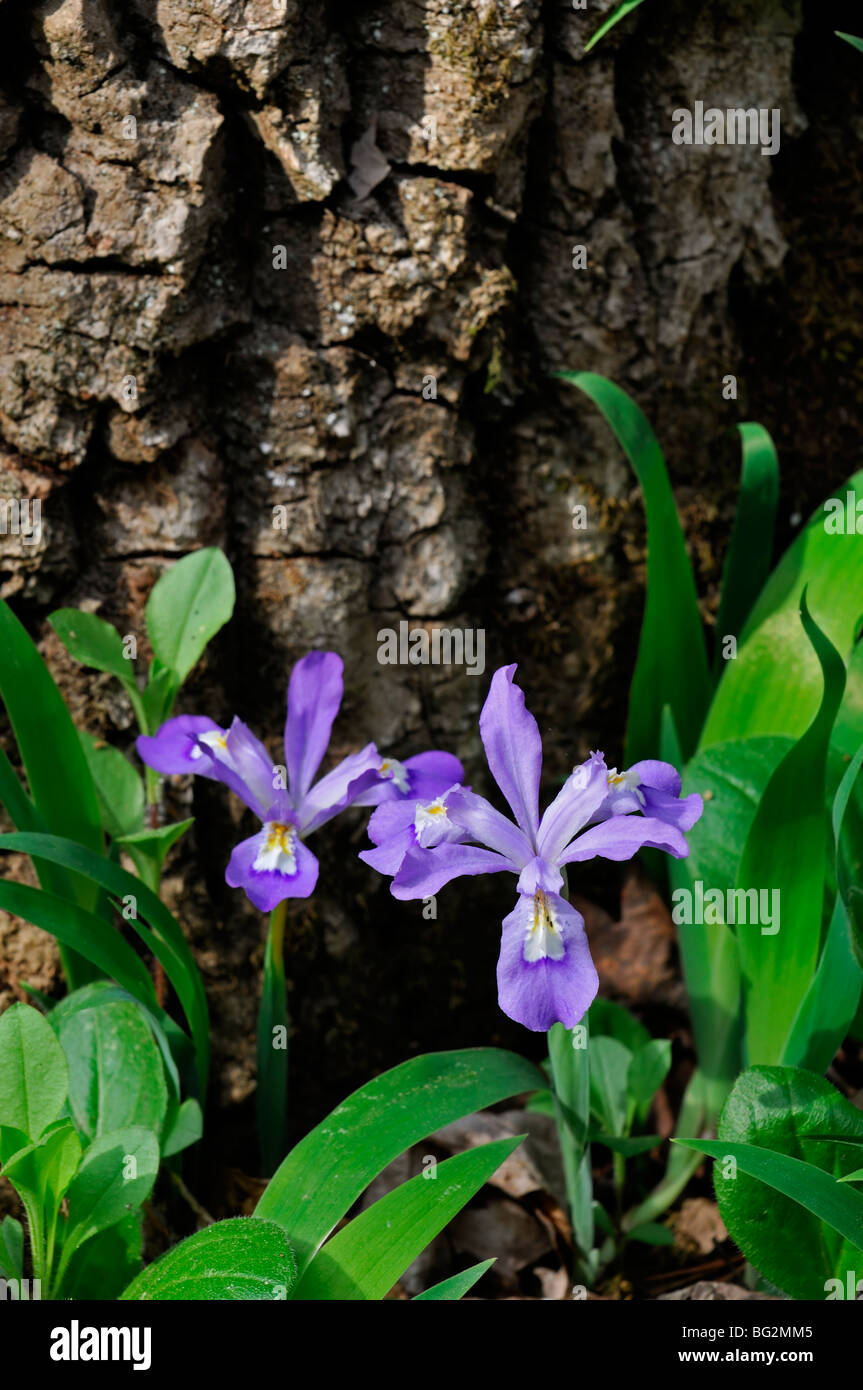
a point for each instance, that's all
(545, 973)
(275, 863)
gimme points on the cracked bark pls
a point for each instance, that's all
(145, 250)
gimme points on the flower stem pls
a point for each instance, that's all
(570, 1074)
(272, 1095)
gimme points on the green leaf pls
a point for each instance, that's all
(775, 685)
(626, 1145)
(456, 1286)
(116, 1077)
(648, 1069)
(166, 939)
(89, 935)
(652, 1234)
(748, 563)
(116, 1175)
(61, 786)
(610, 1020)
(187, 607)
(118, 787)
(12, 1248)
(672, 660)
(853, 1177)
(369, 1255)
(149, 848)
(238, 1259)
(609, 1068)
(158, 698)
(785, 854)
(101, 1269)
(185, 1127)
(831, 1002)
(44, 1170)
(620, 13)
(34, 1078)
(570, 1063)
(326, 1172)
(782, 1113)
(92, 641)
(850, 38)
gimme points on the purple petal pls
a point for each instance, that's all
(545, 974)
(340, 788)
(433, 773)
(266, 887)
(420, 778)
(241, 761)
(314, 697)
(479, 819)
(387, 857)
(425, 871)
(390, 819)
(513, 748)
(540, 876)
(662, 776)
(577, 802)
(174, 749)
(622, 837)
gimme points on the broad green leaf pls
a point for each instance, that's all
(367, 1257)
(168, 1037)
(183, 1128)
(731, 777)
(44, 1170)
(775, 684)
(785, 855)
(322, 1177)
(609, 1068)
(672, 659)
(86, 933)
(610, 1020)
(92, 641)
(648, 1069)
(454, 1288)
(101, 1269)
(237, 1259)
(116, 1078)
(850, 38)
(620, 13)
(116, 1175)
(782, 1112)
(12, 1248)
(118, 787)
(165, 940)
(749, 552)
(34, 1077)
(187, 607)
(60, 783)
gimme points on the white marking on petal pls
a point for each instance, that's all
(393, 771)
(278, 852)
(543, 939)
(628, 781)
(431, 821)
